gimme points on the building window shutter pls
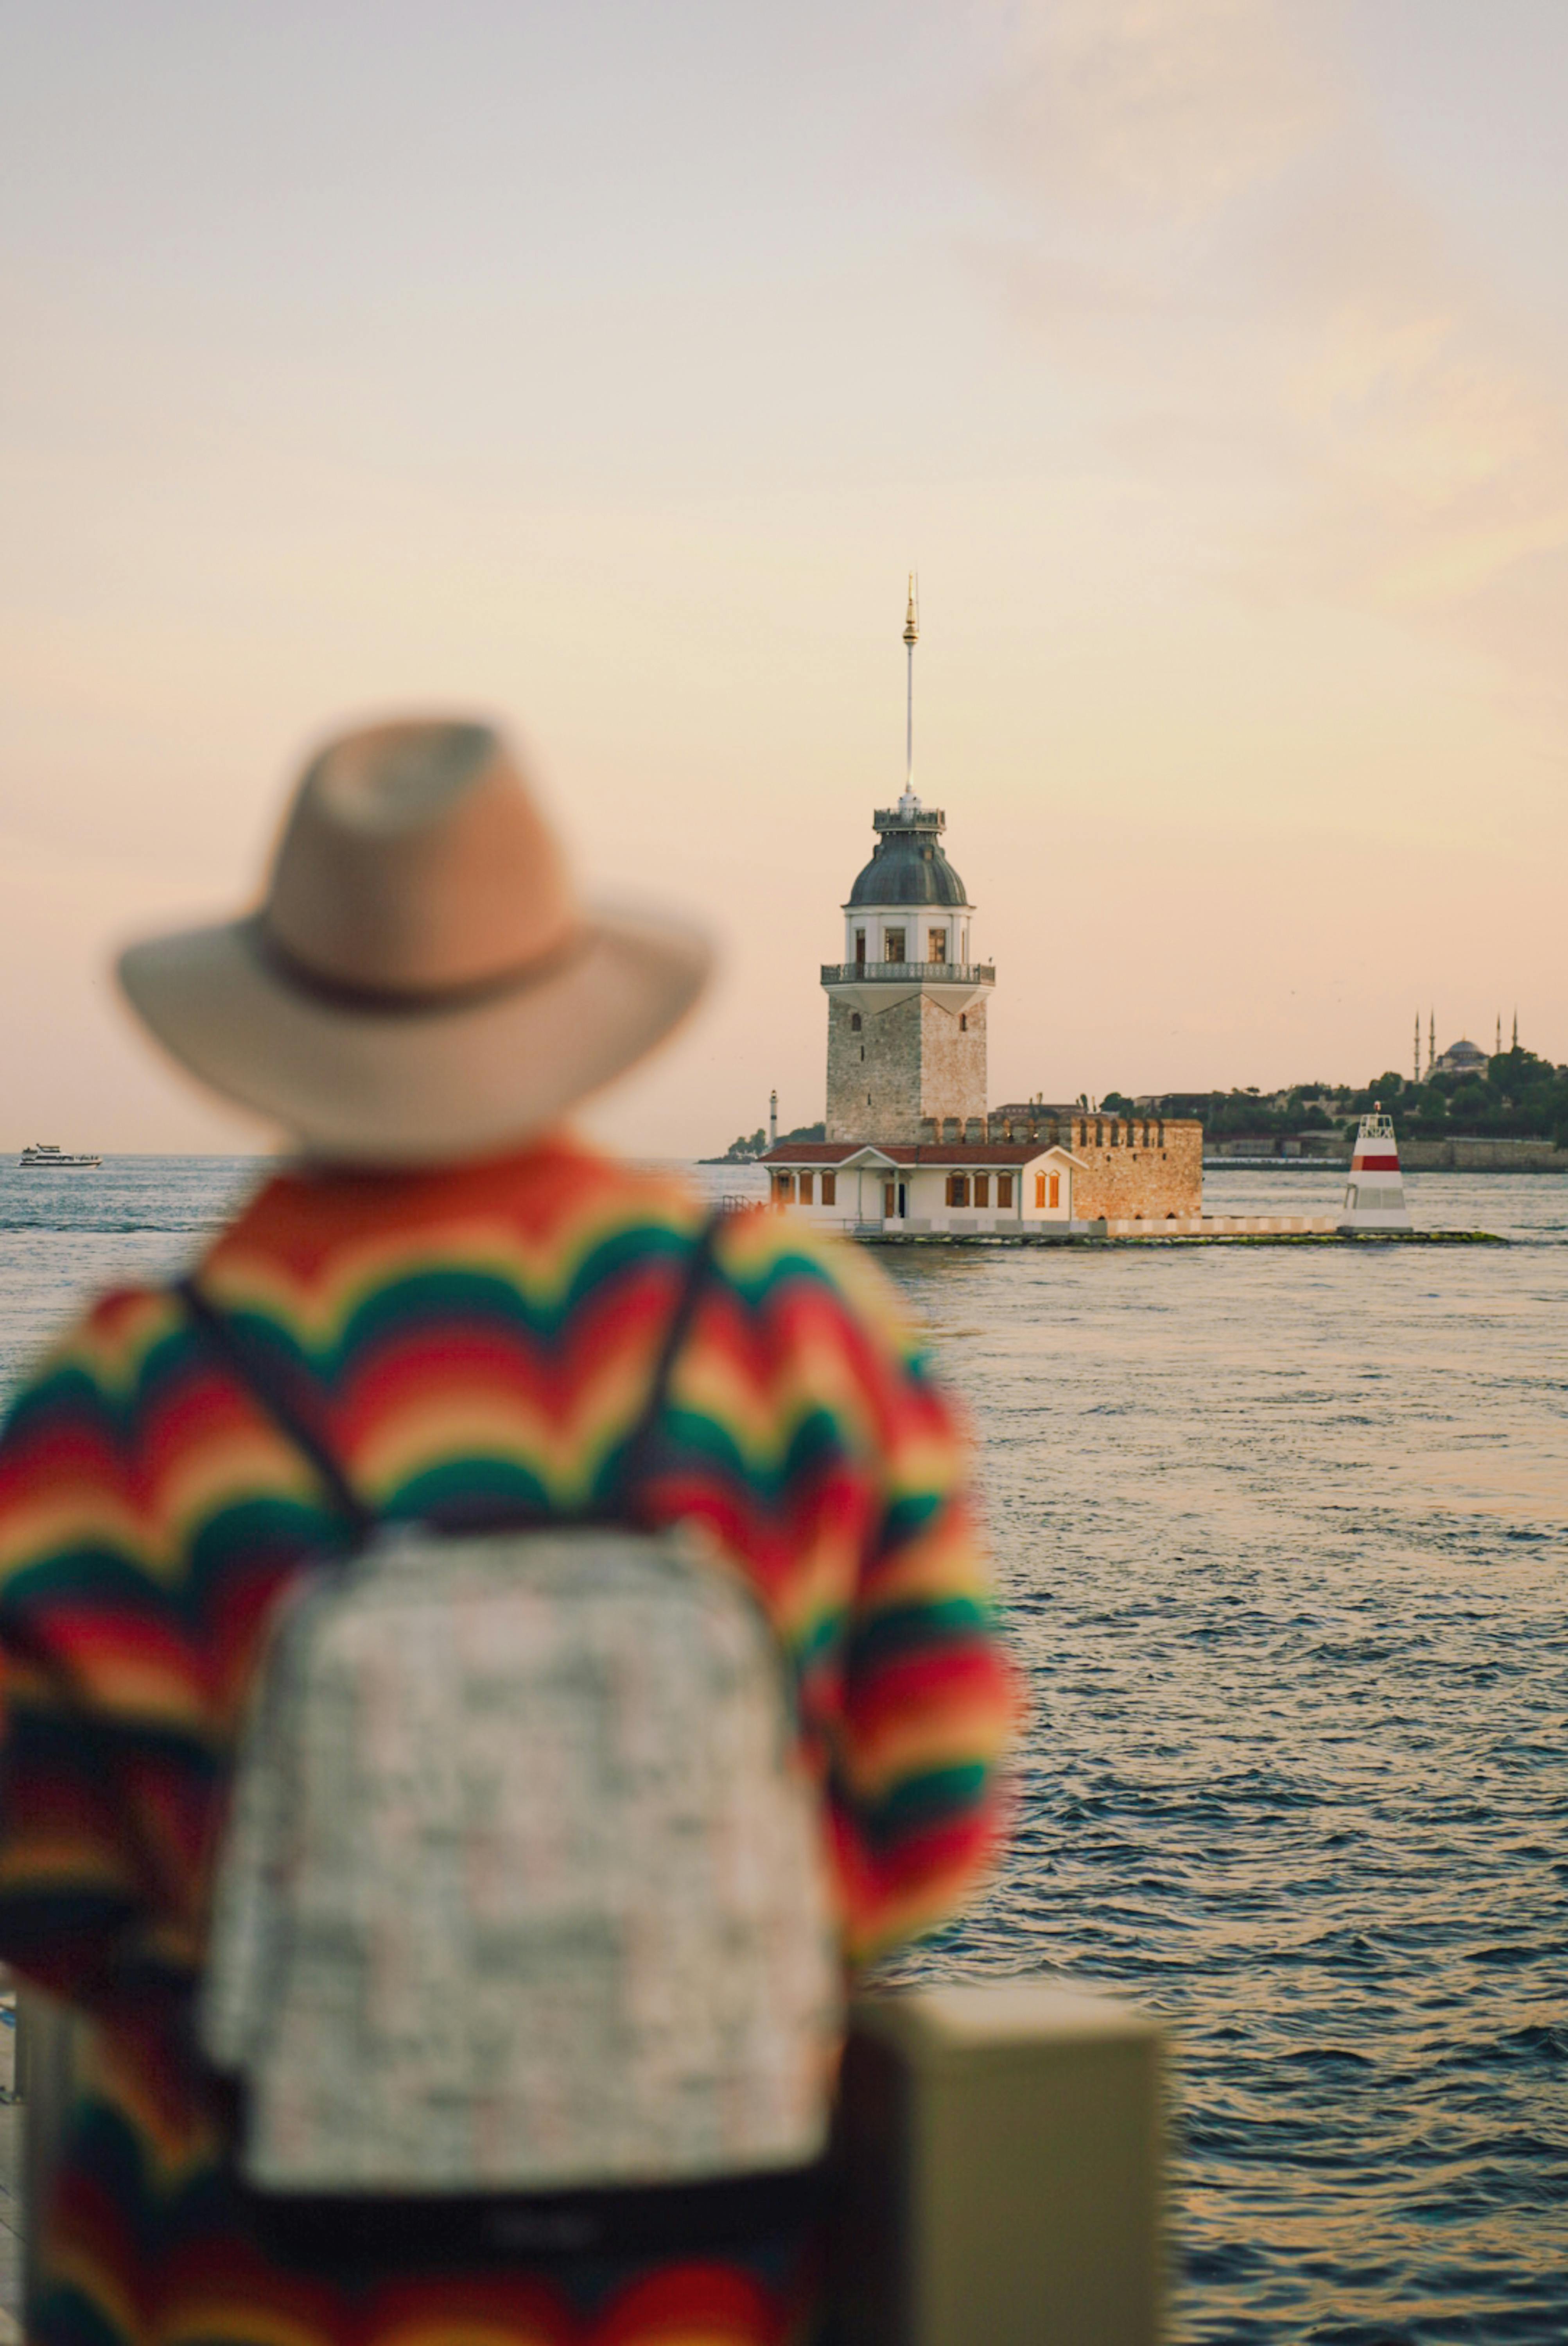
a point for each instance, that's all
(783, 1188)
(1004, 1190)
(1039, 1190)
(1055, 1188)
(805, 1189)
(983, 1189)
(829, 1188)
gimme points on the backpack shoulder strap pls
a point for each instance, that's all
(260, 1378)
(637, 1454)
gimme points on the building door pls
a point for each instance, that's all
(890, 1201)
(904, 1199)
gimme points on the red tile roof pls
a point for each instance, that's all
(903, 1152)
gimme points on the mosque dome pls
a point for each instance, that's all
(908, 867)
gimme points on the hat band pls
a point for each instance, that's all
(408, 1001)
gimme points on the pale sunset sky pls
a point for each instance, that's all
(606, 367)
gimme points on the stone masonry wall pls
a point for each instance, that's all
(1136, 1167)
(952, 1062)
(905, 1063)
(1479, 1155)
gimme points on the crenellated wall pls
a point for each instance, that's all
(1136, 1168)
(1133, 1167)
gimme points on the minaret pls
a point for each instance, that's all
(906, 1006)
(1431, 1046)
(1516, 1030)
(1416, 1075)
(1500, 1033)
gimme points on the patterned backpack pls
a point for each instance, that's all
(523, 1887)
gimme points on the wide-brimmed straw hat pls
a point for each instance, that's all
(421, 982)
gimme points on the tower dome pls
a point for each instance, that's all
(908, 866)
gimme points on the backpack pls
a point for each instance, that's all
(522, 1886)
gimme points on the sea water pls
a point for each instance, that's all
(1282, 1534)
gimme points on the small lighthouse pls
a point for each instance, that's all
(1375, 1192)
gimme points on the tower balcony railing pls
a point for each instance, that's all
(915, 818)
(907, 973)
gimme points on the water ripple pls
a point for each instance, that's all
(1283, 1537)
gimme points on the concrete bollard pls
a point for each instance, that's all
(48, 2060)
(1002, 2181)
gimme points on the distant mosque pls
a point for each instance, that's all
(911, 1144)
(1462, 1058)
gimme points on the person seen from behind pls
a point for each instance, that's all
(482, 1657)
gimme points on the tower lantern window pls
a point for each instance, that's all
(893, 945)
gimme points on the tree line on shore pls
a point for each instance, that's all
(1520, 1096)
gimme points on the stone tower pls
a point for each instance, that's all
(906, 1006)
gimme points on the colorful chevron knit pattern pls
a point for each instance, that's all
(476, 1343)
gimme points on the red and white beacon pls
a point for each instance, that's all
(1375, 1192)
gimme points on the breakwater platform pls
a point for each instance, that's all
(1206, 1230)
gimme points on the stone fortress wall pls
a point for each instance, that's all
(1138, 1167)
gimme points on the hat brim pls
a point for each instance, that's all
(423, 1084)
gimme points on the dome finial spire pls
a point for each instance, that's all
(912, 638)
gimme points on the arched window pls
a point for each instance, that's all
(963, 1022)
(854, 1022)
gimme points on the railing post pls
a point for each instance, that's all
(1003, 2154)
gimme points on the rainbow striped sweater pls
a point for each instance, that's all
(473, 1341)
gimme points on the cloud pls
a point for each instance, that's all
(1203, 227)
(1141, 107)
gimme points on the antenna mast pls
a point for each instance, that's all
(912, 638)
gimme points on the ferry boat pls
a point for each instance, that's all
(48, 1152)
